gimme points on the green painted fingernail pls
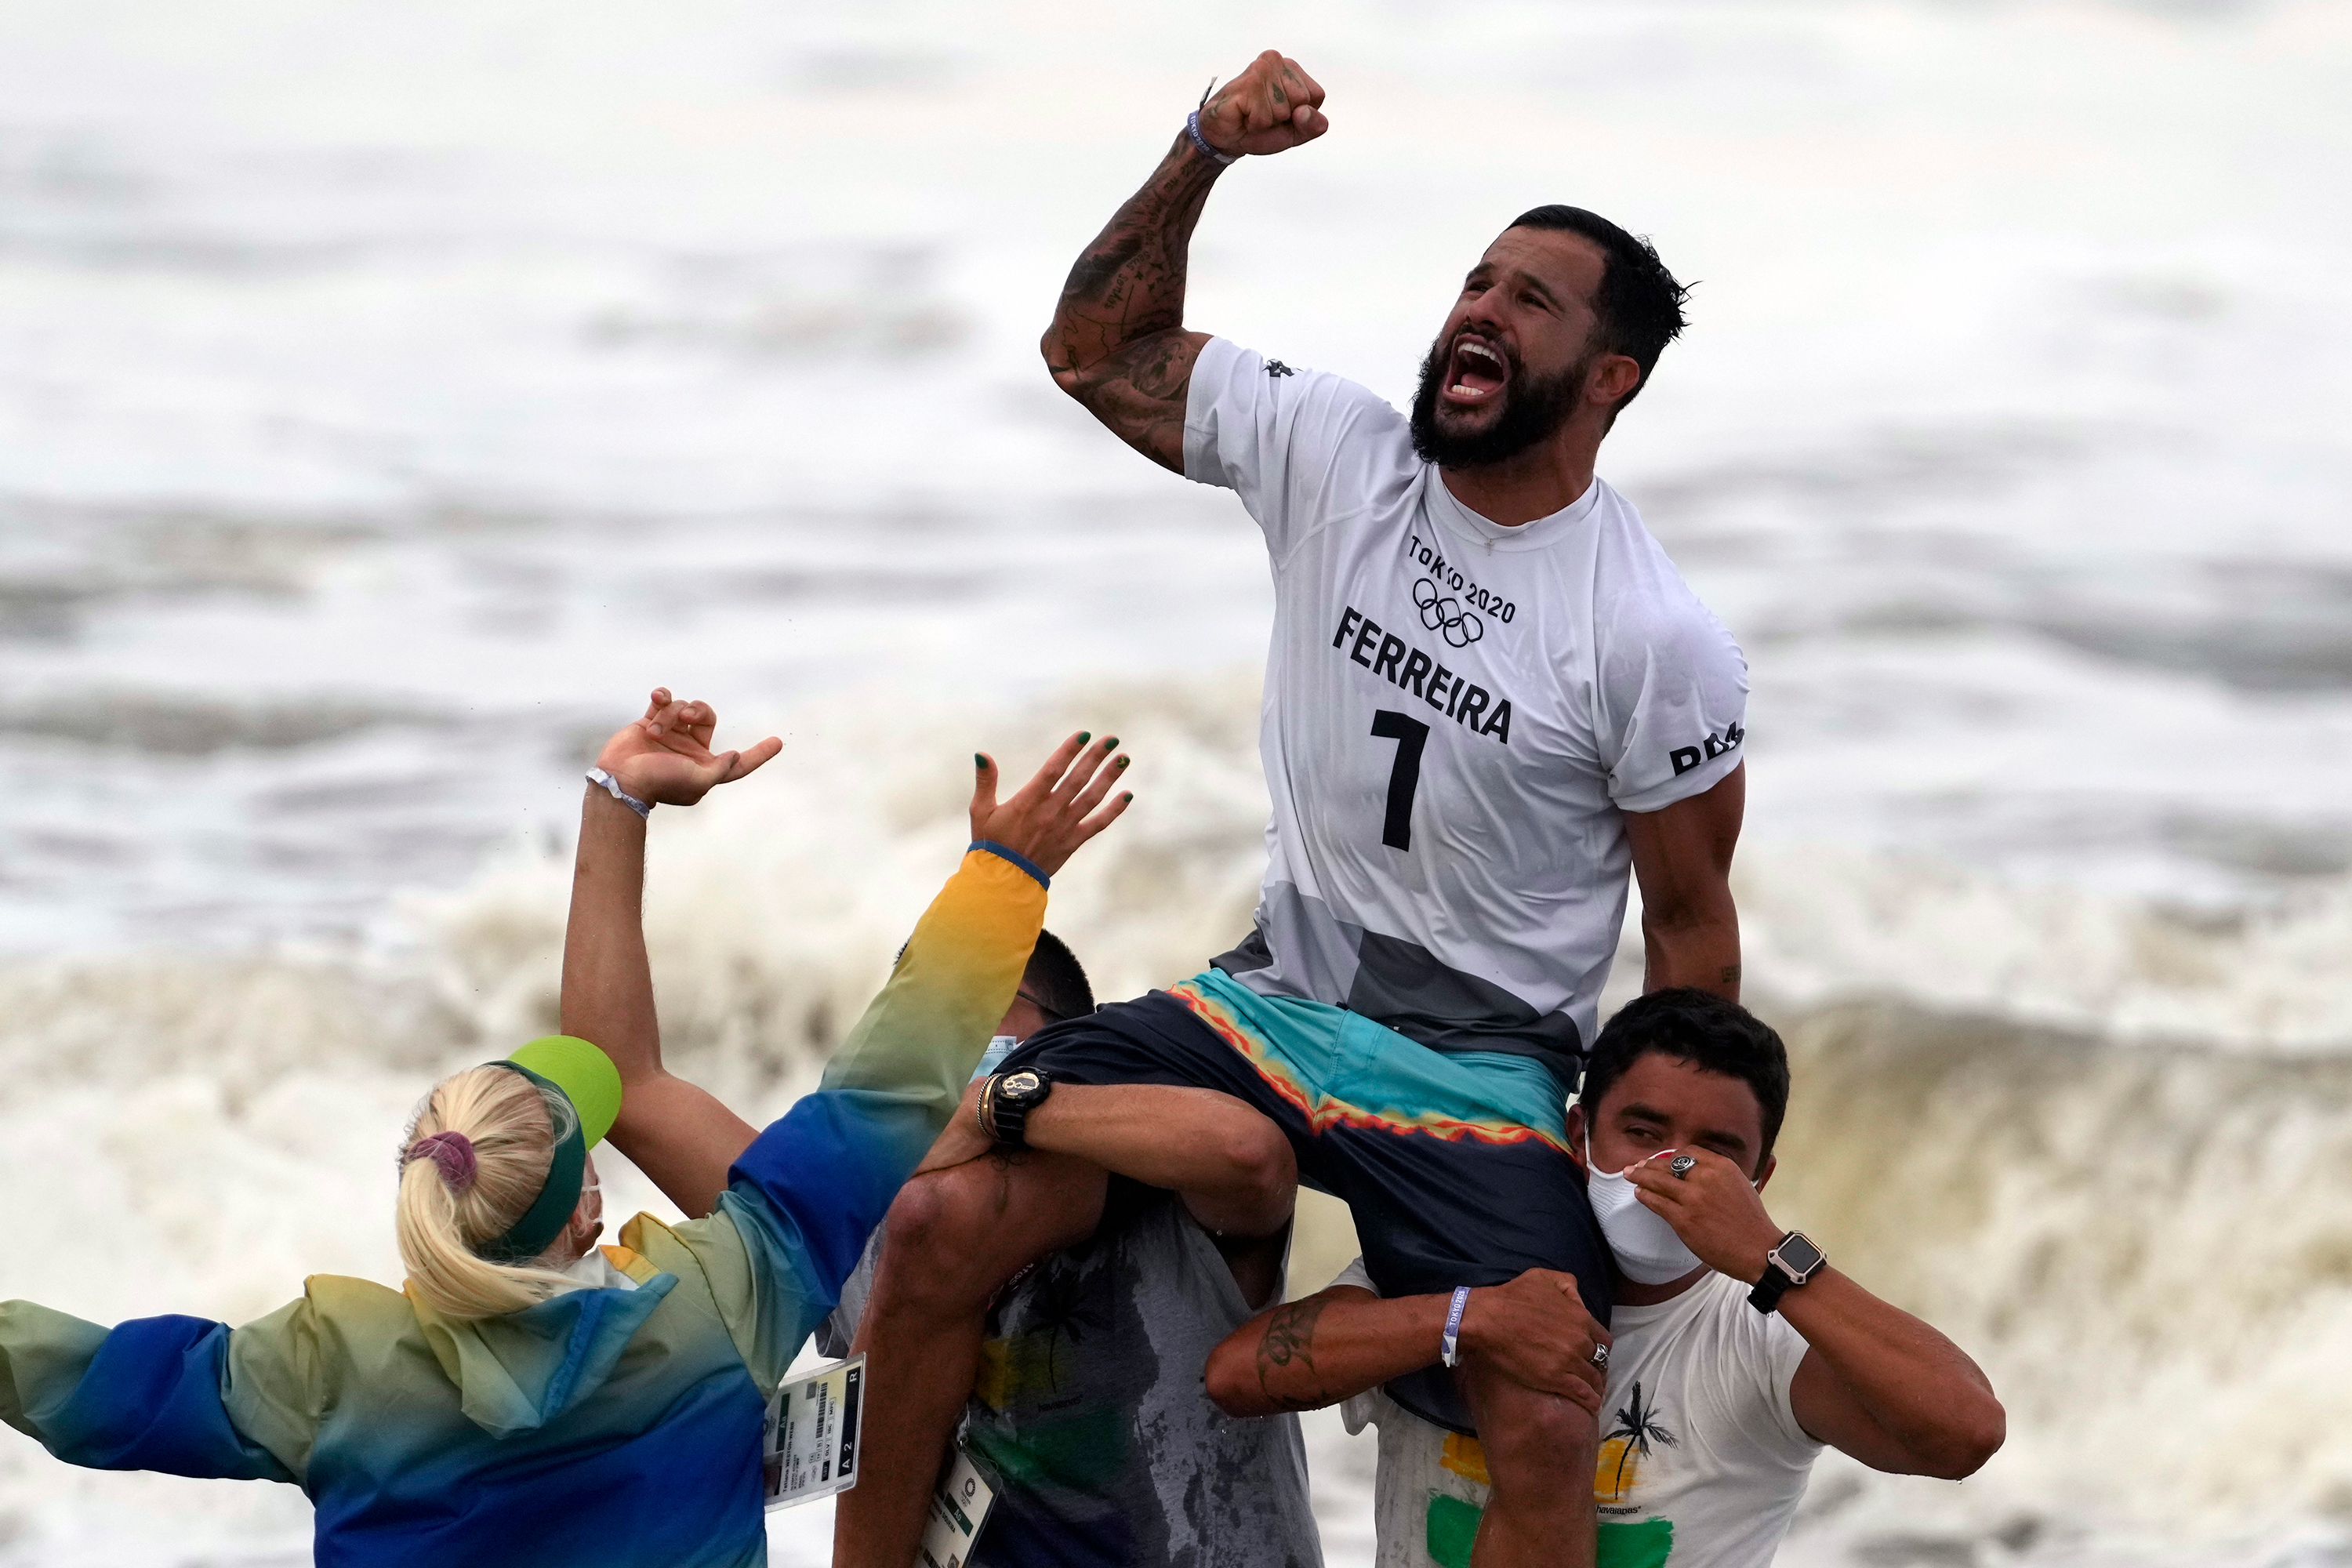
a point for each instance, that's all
(1129, 795)
(1084, 735)
(1110, 742)
(1122, 761)
(978, 761)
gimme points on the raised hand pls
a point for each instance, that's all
(1047, 819)
(1270, 107)
(665, 758)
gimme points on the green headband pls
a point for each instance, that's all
(587, 1079)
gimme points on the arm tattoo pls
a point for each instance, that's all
(1118, 343)
(1290, 1338)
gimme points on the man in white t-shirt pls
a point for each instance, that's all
(1489, 698)
(1737, 1352)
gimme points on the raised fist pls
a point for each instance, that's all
(1272, 107)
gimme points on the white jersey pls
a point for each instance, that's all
(1456, 713)
(1702, 1460)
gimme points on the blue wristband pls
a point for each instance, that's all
(1451, 1353)
(1006, 852)
(1193, 129)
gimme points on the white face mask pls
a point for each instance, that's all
(998, 1047)
(1646, 1246)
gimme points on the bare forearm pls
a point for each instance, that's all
(1934, 1405)
(1326, 1348)
(1130, 283)
(678, 1134)
(1682, 861)
(682, 1138)
(1116, 342)
(608, 988)
(1700, 949)
(1235, 1170)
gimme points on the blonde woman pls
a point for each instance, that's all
(524, 1398)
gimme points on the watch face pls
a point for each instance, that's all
(1020, 1085)
(1798, 1255)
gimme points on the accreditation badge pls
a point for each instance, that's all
(959, 1508)
(808, 1446)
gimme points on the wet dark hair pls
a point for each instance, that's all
(1057, 981)
(1703, 1030)
(1638, 306)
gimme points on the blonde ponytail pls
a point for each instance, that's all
(514, 1128)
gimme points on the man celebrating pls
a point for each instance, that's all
(1489, 694)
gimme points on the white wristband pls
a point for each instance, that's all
(611, 786)
(1451, 1353)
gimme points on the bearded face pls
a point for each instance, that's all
(1508, 409)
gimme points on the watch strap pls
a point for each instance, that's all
(1765, 1297)
(1009, 1119)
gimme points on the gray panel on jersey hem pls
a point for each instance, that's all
(1298, 948)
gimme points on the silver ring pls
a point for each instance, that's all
(1680, 1166)
(1601, 1355)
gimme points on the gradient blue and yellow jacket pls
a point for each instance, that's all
(604, 1427)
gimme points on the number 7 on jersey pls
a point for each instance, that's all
(1404, 775)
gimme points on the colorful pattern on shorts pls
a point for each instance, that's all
(1342, 1070)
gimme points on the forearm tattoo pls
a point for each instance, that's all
(1290, 1341)
(1117, 343)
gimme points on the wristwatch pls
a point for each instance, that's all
(1006, 1099)
(1795, 1260)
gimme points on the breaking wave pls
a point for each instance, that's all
(2104, 1145)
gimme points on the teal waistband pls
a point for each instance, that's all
(1361, 1070)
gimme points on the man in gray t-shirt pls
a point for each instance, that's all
(1089, 1408)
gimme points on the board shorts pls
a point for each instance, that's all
(1455, 1163)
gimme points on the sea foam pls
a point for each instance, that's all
(2113, 1166)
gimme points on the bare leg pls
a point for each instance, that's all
(1540, 1453)
(952, 1239)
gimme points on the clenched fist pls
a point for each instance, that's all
(1272, 107)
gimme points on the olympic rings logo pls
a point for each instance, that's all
(1444, 614)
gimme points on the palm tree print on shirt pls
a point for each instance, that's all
(1625, 1445)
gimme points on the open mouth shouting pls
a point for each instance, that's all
(1476, 373)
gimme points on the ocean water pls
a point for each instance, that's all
(390, 394)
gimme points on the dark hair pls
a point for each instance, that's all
(1638, 306)
(1057, 981)
(1703, 1030)
(1054, 978)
